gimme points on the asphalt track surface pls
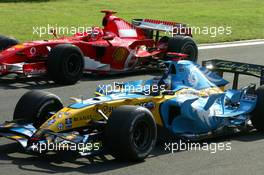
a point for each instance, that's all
(245, 157)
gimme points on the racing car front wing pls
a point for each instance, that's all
(40, 140)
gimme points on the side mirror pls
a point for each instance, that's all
(54, 32)
(168, 92)
(108, 37)
(76, 100)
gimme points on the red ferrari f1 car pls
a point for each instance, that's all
(117, 47)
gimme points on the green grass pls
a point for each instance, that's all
(244, 16)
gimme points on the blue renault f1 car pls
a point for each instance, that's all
(188, 101)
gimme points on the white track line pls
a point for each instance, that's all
(232, 44)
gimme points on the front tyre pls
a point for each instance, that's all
(6, 42)
(185, 45)
(65, 64)
(36, 107)
(257, 118)
(131, 133)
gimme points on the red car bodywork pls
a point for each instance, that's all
(117, 47)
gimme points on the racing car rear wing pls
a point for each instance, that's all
(221, 66)
(173, 28)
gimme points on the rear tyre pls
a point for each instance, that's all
(36, 107)
(257, 118)
(131, 133)
(65, 64)
(185, 45)
(6, 42)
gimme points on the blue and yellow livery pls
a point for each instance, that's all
(187, 101)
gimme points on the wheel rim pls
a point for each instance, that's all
(73, 64)
(141, 135)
